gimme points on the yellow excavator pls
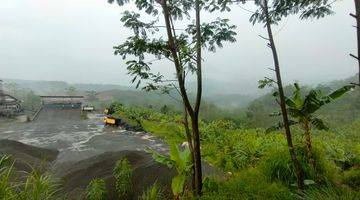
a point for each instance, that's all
(109, 119)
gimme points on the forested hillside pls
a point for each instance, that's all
(258, 111)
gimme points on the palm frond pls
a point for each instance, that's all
(339, 92)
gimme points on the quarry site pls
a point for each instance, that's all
(72, 142)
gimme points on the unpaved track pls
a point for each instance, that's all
(58, 115)
(76, 138)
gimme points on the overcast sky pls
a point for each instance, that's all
(72, 40)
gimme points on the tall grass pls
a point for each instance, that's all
(329, 193)
(39, 186)
(248, 184)
(6, 187)
(36, 185)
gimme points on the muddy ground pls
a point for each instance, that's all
(74, 137)
(79, 150)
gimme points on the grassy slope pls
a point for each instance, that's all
(259, 163)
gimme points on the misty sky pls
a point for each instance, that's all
(72, 40)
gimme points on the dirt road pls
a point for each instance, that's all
(76, 138)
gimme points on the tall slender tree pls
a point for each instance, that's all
(182, 48)
(357, 17)
(268, 22)
(279, 9)
(270, 13)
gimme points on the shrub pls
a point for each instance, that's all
(123, 177)
(153, 193)
(352, 178)
(277, 165)
(96, 190)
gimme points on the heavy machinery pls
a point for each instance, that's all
(109, 119)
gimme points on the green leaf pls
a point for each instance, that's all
(175, 156)
(294, 112)
(177, 184)
(5, 161)
(162, 159)
(312, 102)
(339, 92)
(297, 96)
(289, 102)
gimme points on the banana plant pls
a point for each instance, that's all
(180, 160)
(302, 111)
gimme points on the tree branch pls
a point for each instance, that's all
(264, 37)
(352, 55)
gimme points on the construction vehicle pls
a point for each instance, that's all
(109, 119)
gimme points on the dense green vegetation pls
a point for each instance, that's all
(257, 164)
(258, 111)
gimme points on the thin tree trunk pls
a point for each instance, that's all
(357, 14)
(309, 144)
(197, 156)
(191, 147)
(178, 67)
(299, 172)
(193, 115)
(195, 120)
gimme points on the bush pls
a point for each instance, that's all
(123, 177)
(96, 190)
(277, 165)
(352, 178)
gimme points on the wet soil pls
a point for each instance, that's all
(76, 138)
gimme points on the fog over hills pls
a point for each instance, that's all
(221, 93)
